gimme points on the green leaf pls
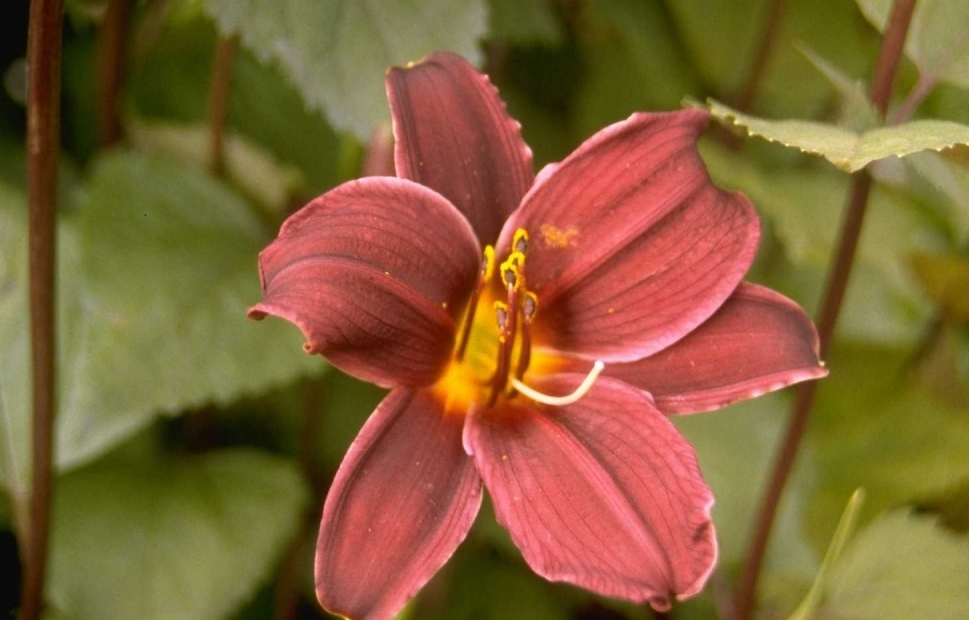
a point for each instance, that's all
(524, 22)
(631, 61)
(937, 39)
(336, 51)
(156, 270)
(188, 538)
(875, 428)
(946, 279)
(735, 447)
(902, 566)
(846, 149)
(721, 39)
(173, 82)
(803, 207)
(846, 526)
(857, 111)
(250, 168)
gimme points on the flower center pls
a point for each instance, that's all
(494, 345)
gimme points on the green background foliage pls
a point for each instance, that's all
(194, 447)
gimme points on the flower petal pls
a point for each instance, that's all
(603, 493)
(759, 341)
(631, 245)
(403, 500)
(370, 284)
(454, 136)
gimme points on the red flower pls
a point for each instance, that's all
(490, 300)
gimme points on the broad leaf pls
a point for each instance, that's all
(631, 61)
(336, 51)
(173, 83)
(803, 206)
(874, 428)
(857, 111)
(525, 22)
(721, 39)
(937, 39)
(946, 279)
(846, 149)
(846, 526)
(156, 270)
(902, 566)
(189, 538)
(737, 477)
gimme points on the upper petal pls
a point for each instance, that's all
(603, 493)
(631, 245)
(371, 285)
(404, 498)
(757, 342)
(453, 135)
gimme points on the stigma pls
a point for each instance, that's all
(491, 356)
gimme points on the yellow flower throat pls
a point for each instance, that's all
(493, 349)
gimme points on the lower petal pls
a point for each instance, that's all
(759, 341)
(603, 493)
(403, 499)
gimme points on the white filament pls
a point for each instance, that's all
(559, 401)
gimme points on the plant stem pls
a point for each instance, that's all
(225, 51)
(765, 47)
(43, 142)
(837, 282)
(111, 61)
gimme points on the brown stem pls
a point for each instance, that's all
(286, 596)
(111, 62)
(43, 141)
(840, 271)
(219, 101)
(765, 47)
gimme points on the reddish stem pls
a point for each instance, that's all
(111, 62)
(219, 101)
(43, 140)
(768, 40)
(885, 70)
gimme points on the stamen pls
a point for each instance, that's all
(560, 401)
(520, 241)
(487, 268)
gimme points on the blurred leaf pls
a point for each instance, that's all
(846, 149)
(630, 60)
(173, 83)
(901, 567)
(478, 585)
(721, 38)
(946, 279)
(524, 22)
(250, 168)
(336, 52)
(937, 39)
(803, 206)
(156, 271)
(846, 526)
(874, 428)
(736, 447)
(857, 112)
(949, 195)
(186, 538)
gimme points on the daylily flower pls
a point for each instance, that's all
(536, 333)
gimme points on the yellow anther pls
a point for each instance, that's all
(520, 241)
(529, 306)
(501, 314)
(488, 263)
(512, 275)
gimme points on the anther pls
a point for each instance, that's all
(501, 314)
(560, 401)
(529, 306)
(520, 241)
